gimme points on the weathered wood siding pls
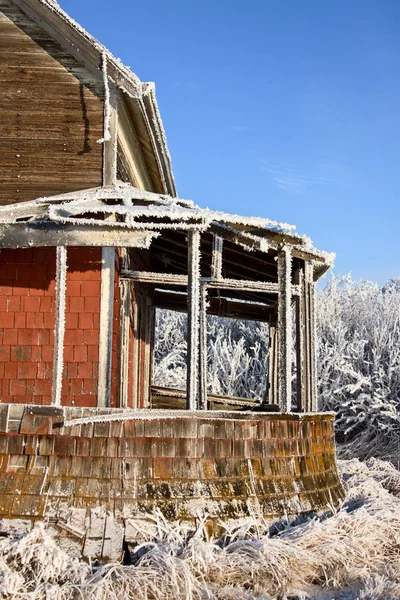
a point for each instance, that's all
(51, 114)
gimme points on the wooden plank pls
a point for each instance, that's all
(59, 330)
(110, 146)
(106, 318)
(193, 342)
(202, 401)
(285, 328)
(26, 235)
(273, 363)
(301, 366)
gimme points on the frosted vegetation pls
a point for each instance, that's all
(349, 554)
(358, 361)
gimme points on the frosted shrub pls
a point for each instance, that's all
(236, 354)
(359, 361)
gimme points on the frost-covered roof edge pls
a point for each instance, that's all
(89, 51)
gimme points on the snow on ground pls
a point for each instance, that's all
(353, 554)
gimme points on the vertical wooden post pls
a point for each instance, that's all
(124, 325)
(148, 325)
(216, 261)
(285, 328)
(203, 403)
(59, 327)
(108, 254)
(272, 363)
(106, 317)
(193, 342)
(301, 367)
(306, 340)
(136, 351)
(312, 403)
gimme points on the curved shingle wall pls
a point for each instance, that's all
(227, 464)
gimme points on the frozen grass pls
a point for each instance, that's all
(352, 554)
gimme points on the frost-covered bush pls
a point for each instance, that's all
(359, 359)
(236, 354)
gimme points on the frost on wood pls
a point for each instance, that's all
(193, 319)
(285, 328)
(107, 108)
(59, 328)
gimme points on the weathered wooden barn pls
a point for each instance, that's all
(93, 239)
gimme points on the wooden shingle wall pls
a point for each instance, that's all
(51, 114)
(27, 305)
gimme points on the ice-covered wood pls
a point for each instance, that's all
(216, 264)
(106, 316)
(59, 328)
(202, 404)
(272, 394)
(44, 234)
(124, 326)
(193, 342)
(285, 328)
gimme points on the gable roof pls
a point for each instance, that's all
(90, 52)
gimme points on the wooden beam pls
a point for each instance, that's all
(301, 367)
(193, 343)
(124, 327)
(106, 318)
(312, 404)
(242, 285)
(155, 278)
(45, 233)
(59, 328)
(216, 261)
(272, 397)
(285, 328)
(110, 145)
(202, 404)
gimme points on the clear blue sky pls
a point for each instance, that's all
(288, 109)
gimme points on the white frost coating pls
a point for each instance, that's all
(107, 108)
(285, 328)
(216, 262)
(193, 344)
(59, 328)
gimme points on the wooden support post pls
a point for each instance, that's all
(136, 351)
(193, 342)
(285, 328)
(306, 340)
(301, 367)
(272, 397)
(216, 261)
(203, 404)
(110, 145)
(148, 334)
(312, 400)
(124, 326)
(59, 328)
(106, 317)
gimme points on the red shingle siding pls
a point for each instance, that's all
(82, 326)
(27, 302)
(27, 294)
